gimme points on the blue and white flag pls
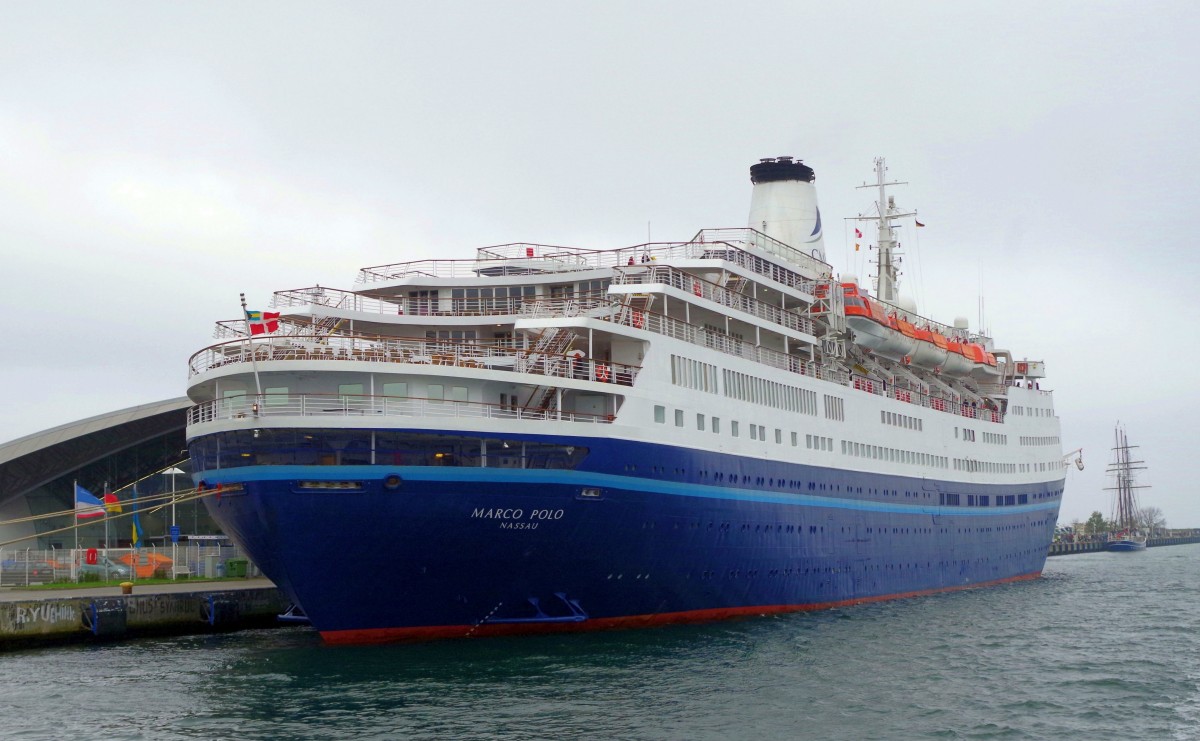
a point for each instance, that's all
(87, 504)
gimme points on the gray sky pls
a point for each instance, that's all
(158, 158)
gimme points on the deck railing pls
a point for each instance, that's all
(686, 282)
(265, 406)
(443, 306)
(531, 259)
(361, 348)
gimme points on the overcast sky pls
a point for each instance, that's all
(158, 158)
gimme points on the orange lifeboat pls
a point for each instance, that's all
(931, 349)
(957, 362)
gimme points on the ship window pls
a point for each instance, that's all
(753, 432)
(733, 428)
(699, 421)
(795, 438)
(716, 424)
(276, 397)
(435, 391)
(458, 393)
(679, 418)
(660, 414)
(396, 389)
(778, 437)
(350, 389)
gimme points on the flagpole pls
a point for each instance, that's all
(105, 510)
(253, 359)
(75, 559)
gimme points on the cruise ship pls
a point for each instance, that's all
(540, 438)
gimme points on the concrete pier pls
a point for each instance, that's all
(71, 615)
(1066, 549)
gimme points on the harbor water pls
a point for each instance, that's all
(1103, 646)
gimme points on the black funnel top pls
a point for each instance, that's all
(774, 169)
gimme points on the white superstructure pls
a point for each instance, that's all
(735, 341)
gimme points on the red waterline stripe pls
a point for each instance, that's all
(433, 632)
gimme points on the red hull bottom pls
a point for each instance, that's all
(437, 632)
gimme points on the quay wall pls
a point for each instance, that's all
(61, 619)
(1066, 549)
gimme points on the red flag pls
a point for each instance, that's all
(262, 322)
(857, 233)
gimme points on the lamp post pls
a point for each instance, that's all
(173, 472)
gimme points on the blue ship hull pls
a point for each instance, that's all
(386, 552)
(1125, 544)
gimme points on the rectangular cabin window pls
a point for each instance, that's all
(458, 393)
(753, 432)
(660, 414)
(700, 422)
(795, 437)
(716, 424)
(396, 389)
(778, 436)
(435, 391)
(276, 397)
(350, 389)
(733, 428)
(235, 401)
(679, 418)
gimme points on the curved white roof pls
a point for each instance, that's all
(40, 440)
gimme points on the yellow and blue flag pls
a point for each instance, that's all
(137, 521)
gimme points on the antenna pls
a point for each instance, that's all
(887, 273)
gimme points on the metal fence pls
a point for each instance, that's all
(20, 567)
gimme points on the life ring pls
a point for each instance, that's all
(639, 319)
(602, 373)
(696, 288)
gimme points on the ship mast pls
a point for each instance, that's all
(1125, 505)
(887, 272)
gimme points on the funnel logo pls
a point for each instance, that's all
(816, 232)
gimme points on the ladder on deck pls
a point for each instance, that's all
(549, 349)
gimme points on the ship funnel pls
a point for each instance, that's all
(784, 204)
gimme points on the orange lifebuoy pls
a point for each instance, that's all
(639, 319)
(602, 373)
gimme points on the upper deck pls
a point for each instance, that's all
(528, 259)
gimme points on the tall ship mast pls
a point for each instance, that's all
(1127, 533)
(543, 438)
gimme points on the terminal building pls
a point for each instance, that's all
(106, 452)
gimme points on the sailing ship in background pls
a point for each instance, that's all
(1127, 533)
